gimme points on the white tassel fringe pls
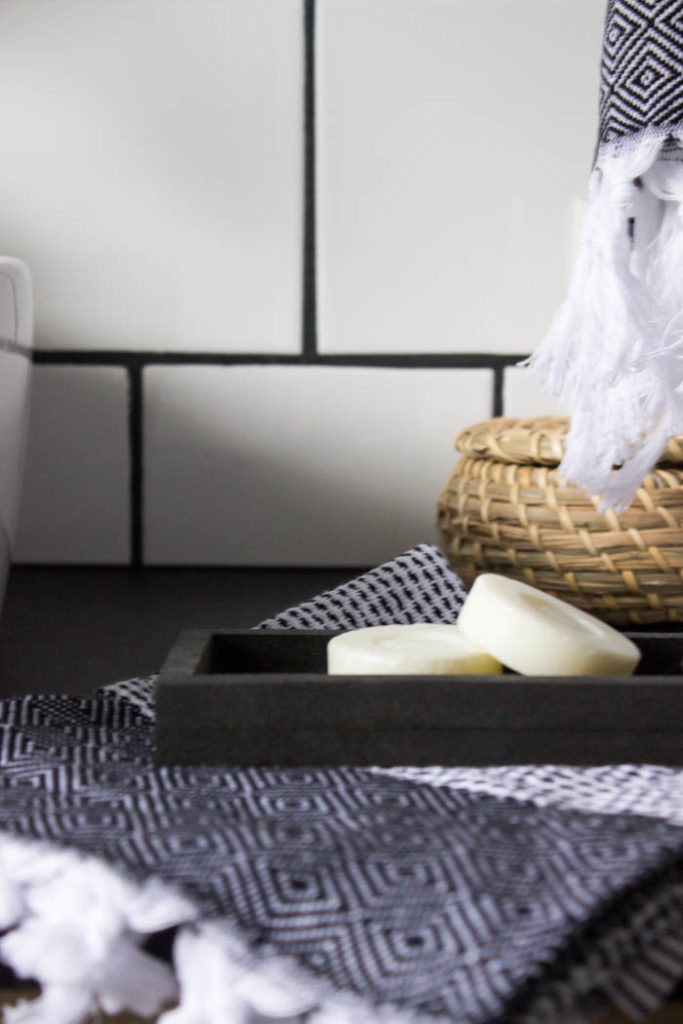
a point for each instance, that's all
(615, 347)
(75, 925)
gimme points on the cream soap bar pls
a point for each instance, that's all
(537, 634)
(417, 649)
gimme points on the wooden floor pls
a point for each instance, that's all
(10, 996)
(670, 1013)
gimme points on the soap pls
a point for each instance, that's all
(423, 648)
(538, 634)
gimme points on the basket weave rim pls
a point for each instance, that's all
(538, 440)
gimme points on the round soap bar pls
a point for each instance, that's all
(423, 648)
(539, 635)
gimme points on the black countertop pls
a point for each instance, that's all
(68, 630)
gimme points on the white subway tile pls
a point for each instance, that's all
(523, 396)
(75, 506)
(152, 170)
(274, 465)
(454, 143)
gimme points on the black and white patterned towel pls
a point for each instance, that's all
(614, 346)
(338, 895)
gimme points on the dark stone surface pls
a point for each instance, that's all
(70, 629)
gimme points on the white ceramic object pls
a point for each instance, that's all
(16, 340)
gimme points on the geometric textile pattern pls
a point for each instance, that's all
(456, 894)
(652, 790)
(417, 586)
(642, 67)
(449, 904)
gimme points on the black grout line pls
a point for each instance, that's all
(135, 362)
(425, 360)
(127, 357)
(498, 387)
(309, 341)
(81, 357)
(135, 424)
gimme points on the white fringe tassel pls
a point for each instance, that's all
(615, 347)
(75, 925)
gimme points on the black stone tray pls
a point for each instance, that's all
(261, 697)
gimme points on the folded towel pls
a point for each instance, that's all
(353, 895)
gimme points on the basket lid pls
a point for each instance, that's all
(538, 440)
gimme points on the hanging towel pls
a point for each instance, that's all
(615, 347)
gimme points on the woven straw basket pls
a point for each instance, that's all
(505, 510)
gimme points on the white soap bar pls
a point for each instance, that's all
(419, 649)
(537, 634)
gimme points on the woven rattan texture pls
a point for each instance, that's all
(495, 515)
(536, 441)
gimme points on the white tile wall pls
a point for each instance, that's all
(151, 170)
(454, 144)
(523, 396)
(152, 178)
(299, 465)
(76, 497)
